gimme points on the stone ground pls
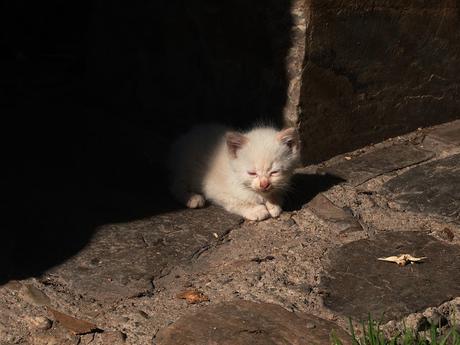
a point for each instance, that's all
(208, 277)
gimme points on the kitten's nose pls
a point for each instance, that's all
(264, 183)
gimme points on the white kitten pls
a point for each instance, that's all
(246, 173)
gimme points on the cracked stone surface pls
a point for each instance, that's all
(123, 260)
(317, 260)
(387, 159)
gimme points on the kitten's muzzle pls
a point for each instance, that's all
(264, 185)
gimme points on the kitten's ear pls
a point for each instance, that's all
(235, 141)
(290, 138)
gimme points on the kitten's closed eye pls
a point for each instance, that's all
(274, 172)
(252, 173)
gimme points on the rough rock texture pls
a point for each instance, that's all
(375, 70)
(430, 188)
(87, 230)
(356, 283)
(326, 210)
(127, 283)
(242, 322)
(363, 168)
(294, 60)
(123, 260)
(449, 134)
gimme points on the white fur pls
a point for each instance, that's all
(213, 163)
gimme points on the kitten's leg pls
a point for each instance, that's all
(273, 206)
(251, 212)
(250, 206)
(191, 200)
(195, 201)
(258, 212)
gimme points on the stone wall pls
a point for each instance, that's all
(376, 69)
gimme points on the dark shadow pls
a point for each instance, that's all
(93, 93)
(305, 187)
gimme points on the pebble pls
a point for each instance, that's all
(394, 206)
(310, 325)
(417, 322)
(113, 337)
(33, 295)
(38, 322)
(290, 222)
(144, 314)
(446, 234)
(438, 320)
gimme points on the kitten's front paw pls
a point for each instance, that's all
(274, 210)
(258, 212)
(196, 201)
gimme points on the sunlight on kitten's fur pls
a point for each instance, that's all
(246, 173)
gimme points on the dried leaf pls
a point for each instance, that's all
(73, 324)
(402, 259)
(193, 296)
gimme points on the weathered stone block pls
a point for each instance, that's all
(430, 188)
(380, 161)
(375, 70)
(244, 322)
(357, 283)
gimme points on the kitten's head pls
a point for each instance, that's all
(264, 158)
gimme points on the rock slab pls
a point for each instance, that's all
(244, 322)
(432, 188)
(361, 169)
(368, 76)
(356, 283)
(325, 209)
(123, 260)
(448, 134)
